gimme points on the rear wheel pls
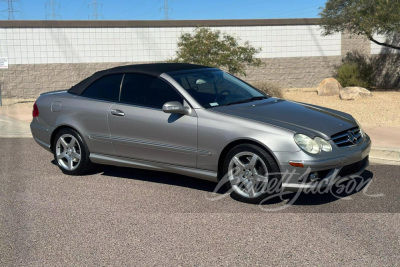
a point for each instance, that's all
(252, 173)
(71, 152)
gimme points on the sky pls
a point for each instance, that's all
(154, 9)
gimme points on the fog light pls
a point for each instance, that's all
(314, 177)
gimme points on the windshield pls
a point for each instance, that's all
(213, 88)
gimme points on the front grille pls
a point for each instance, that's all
(347, 138)
(353, 168)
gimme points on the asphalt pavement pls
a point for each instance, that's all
(119, 216)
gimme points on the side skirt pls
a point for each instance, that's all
(148, 165)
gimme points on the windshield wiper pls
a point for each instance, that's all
(247, 100)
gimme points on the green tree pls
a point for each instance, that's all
(363, 17)
(216, 49)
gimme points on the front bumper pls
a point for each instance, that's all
(348, 163)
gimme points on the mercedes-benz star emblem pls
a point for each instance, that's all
(352, 138)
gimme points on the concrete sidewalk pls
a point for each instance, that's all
(385, 144)
(10, 127)
(385, 140)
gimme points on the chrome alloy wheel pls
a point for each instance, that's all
(68, 152)
(248, 174)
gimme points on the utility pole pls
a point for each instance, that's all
(10, 8)
(51, 6)
(95, 14)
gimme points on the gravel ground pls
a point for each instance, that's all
(21, 111)
(382, 109)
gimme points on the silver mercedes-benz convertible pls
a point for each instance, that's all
(201, 122)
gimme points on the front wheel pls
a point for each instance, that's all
(252, 173)
(71, 152)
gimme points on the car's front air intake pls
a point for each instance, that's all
(347, 138)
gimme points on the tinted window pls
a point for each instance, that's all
(105, 88)
(147, 91)
(212, 88)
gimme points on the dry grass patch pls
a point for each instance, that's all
(269, 88)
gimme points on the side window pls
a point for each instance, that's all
(147, 91)
(105, 88)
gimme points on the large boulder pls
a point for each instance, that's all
(353, 93)
(329, 87)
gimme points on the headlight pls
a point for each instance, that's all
(323, 144)
(312, 146)
(306, 143)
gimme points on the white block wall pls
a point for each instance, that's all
(378, 49)
(91, 45)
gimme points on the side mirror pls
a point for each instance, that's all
(175, 107)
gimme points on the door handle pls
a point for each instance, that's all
(117, 112)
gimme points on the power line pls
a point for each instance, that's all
(51, 6)
(11, 8)
(95, 13)
(128, 10)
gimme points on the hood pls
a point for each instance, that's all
(298, 117)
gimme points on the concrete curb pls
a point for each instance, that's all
(26, 135)
(385, 155)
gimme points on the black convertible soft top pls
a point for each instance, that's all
(155, 69)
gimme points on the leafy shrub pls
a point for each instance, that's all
(216, 49)
(269, 88)
(356, 70)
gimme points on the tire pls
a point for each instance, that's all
(71, 152)
(250, 165)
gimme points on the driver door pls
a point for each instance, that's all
(141, 130)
